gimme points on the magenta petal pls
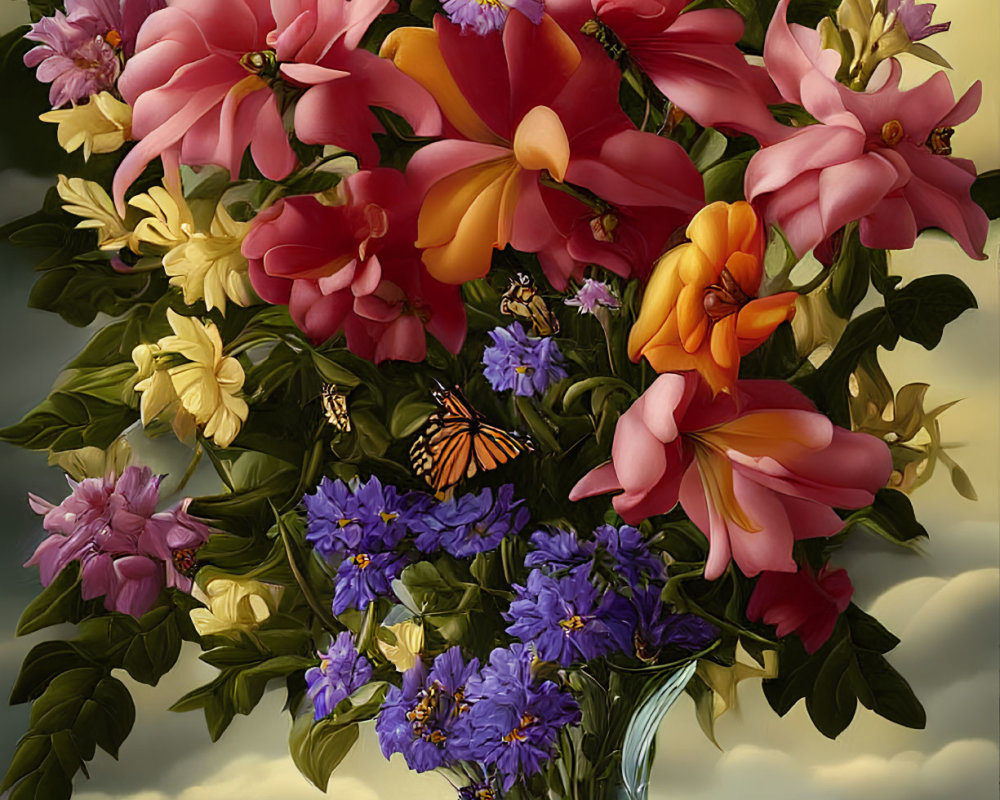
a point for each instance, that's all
(310, 74)
(98, 577)
(770, 547)
(664, 403)
(139, 583)
(638, 456)
(708, 520)
(851, 190)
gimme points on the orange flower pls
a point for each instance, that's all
(701, 310)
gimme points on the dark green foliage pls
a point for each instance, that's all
(848, 669)
(891, 517)
(986, 192)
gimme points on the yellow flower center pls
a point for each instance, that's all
(343, 522)
(361, 560)
(522, 369)
(387, 516)
(574, 623)
(892, 133)
(113, 38)
(518, 734)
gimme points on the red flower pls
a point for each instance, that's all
(801, 603)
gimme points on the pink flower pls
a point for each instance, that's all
(78, 54)
(802, 603)
(755, 470)
(531, 116)
(353, 267)
(127, 552)
(880, 156)
(693, 59)
(207, 76)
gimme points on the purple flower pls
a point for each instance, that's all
(513, 723)
(916, 18)
(127, 552)
(78, 50)
(363, 577)
(568, 619)
(484, 16)
(334, 524)
(341, 672)
(657, 627)
(632, 559)
(528, 366)
(426, 720)
(471, 523)
(559, 550)
(593, 295)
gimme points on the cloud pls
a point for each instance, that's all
(962, 769)
(249, 777)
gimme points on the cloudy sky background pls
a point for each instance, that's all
(943, 602)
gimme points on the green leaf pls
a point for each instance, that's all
(537, 424)
(724, 181)
(922, 308)
(80, 709)
(59, 602)
(249, 684)
(318, 747)
(986, 192)
(409, 414)
(154, 647)
(643, 726)
(708, 148)
(891, 517)
(43, 663)
(851, 275)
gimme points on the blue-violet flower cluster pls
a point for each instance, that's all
(514, 723)
(470, 524)
(529, 366)
(427, 719)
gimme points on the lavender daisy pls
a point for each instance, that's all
(514, 723)
(592, 296)
(426, 720)
(75, 60)
(485, 16)
(341, 672)
(528, 366)
(568, 619)
(471, 523)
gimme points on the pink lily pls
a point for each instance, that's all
(882, 156)
(755, 471)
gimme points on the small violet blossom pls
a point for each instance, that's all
(568, 619)
(593, 296)
(486, 16)
(470, 524)
(916, 18)
(529, 366)
(632, 559)
(657, 627)
(127, 551)
(514, 722)
(427, 719)
(341, 672)
(559, 550)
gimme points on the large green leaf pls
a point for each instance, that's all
(921, 309)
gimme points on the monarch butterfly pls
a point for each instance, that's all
(522, 300)
(457, 443)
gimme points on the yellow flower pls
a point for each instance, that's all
(204, 389)
(409, 642)
(210, 266)
(234, 605)
(170, 221)
(88, 199)
(101, 125)
(723, 681)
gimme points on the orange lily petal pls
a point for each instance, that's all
(660, 295)
(758, 318)
(723, 343)
(540, 142)
(450, 198)
(468, 254)
(417, 53)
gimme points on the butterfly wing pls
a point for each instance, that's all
(456, 443)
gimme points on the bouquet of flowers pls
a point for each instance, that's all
(521, 342)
